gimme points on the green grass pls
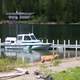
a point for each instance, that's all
(70, 74)
(6, 64)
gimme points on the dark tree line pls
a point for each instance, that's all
(60, 11)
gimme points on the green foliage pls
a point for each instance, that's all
(59, 11)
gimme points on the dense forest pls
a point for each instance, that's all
(60, 11)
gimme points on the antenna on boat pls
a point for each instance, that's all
(3, 6)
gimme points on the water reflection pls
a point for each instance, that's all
(24, 55)
(35, 55)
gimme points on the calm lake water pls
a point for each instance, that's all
(42, 31)
(35, 55)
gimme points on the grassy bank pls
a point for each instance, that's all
(64, 74)
(70, 74)
(10, 63)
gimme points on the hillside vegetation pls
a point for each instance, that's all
(60, 11)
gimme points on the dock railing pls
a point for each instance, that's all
(61, 46)
(65, 46)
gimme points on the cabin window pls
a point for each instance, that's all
(8, 41)
(27, 38)
(19, 38)
(12, 41)
(33, 37)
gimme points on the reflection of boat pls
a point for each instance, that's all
(31, 57)
(25, 41)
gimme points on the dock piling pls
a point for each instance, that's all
(57, 42)
(76, 48)
(68, 42)
(64, 49)
(42, 40)
(0, 45)
(53, 45)
(46, 40)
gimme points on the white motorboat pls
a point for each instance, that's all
(25, 41)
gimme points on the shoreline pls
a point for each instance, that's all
(64, 65)
(30, 22)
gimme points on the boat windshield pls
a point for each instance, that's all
(33, 37)
(19, 38)
(27, 38)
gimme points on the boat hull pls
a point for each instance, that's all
(38, 46)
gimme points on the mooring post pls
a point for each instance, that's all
(68, 54)
(53, 46)
(64, 49)
(57, 45)
(22, 57)
(0, 45)
(46, 40)
(79, 42)
(76, 48)
(68, 42)
(42, 40)
(57, 42)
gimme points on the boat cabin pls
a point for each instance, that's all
(27, 38)
(22, 38)
(9, 40)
